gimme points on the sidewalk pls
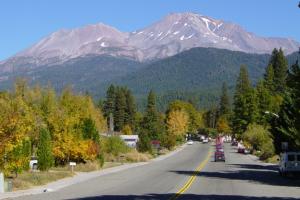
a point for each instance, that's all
(83, 176)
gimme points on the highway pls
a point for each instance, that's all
(189, 174)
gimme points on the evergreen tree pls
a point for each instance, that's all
(89, 130)
(264, 102)
(224, 101)
(144, 144)
(269, 79)
(286, 128)
(245, 103)
(100, 105)
(44, 152)
(152, 123)
(130, 109)
(211, 116)
(109, 103)
(120, 109)
(280, 66)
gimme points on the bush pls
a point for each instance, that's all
(101, 159)
(168, 141)
(114, 145)
(44, 152)
(260, 139)
(135, 156)
(143, 144)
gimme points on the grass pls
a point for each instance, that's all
(27, 180)
(30, 179)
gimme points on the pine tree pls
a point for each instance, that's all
(44, 152)
(109, 103)
(245, 103)
(264, 99)
(89, 130)
(130, 109)
(280, 66)
(269, 79)
(286, 128)
(152, 123)
(224, 101)
(120, 109)
(144, 144)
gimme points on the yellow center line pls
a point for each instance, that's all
(190, 181)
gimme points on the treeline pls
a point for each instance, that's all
(265, 115)
(120, 104)
(168, 128)
(56, 129)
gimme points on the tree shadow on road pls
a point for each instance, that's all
(255, 166)
(182, 197)
(256, 174)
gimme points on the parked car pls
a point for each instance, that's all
(234, 143)
(205, 140)
(219, 156)
(241, 149)
(289, 163)
(247, 151)
(190, 142)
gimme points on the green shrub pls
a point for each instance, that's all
(260, 140)
(101, 159)
(114, 145)
(44, 152)
(143, 144)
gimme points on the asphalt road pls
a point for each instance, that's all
(240, 177)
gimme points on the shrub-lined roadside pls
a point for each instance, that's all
(28, 179)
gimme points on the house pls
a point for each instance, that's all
(130, 140)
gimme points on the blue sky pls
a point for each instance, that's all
(24, 22)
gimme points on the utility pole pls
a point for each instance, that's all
(111, 124)
(1, 182)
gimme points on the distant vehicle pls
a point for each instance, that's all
(227, 139)
(246, 151)
(202, 137)
(190, 142)
(205, 140)
(289, 163)
(234, 143)
(241, 149)
(219, 156)
(33, 163)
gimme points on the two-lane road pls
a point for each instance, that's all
(240, 177)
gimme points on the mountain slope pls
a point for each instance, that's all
(81, 73)
(195, 69)
(171, 35)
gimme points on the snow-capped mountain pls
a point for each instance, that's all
(171, 35)
(182, 31)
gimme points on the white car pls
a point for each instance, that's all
(289, 163)
(205, 140)
(190, 142)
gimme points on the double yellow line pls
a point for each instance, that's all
(190, 181)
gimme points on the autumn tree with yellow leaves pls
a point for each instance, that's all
(73, 121)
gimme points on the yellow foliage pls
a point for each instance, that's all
(25, 111)
(177, 122)
(127, 130)
(223, 125)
